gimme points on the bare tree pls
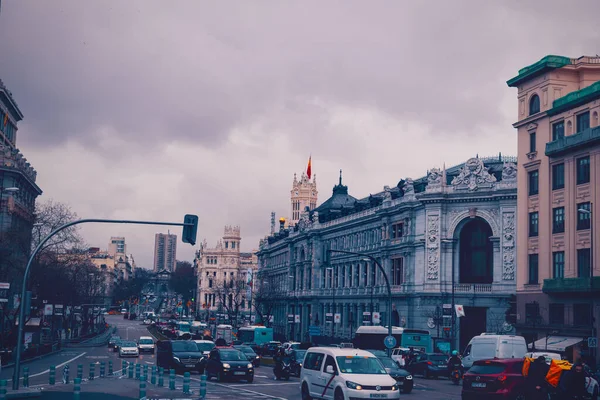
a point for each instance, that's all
(265, 299)
(49, 216)
(231, 295)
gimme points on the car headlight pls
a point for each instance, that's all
(409, 377)
(300, 365)
(395, 387)
(353, 385)
(176, 359)
(257, 357)
(226, 366)
(250, 366)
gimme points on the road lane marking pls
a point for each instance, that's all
(57, 367)
(245, 390)
(266, 384)
(149, 362)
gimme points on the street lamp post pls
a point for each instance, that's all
(387, 284)
(590, 213)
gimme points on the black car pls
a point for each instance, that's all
(402, 376)
(250, 353)
(298, 359)
(113, 339)
(429, 365)
(181, 355)
(229, 363)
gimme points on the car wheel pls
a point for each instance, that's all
(595, 395)
(339, 395)
(251, 379)
(305, 392)
(426, 374)
(407, 390)
(220, 377)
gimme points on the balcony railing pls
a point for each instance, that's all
(572, 142)
(571, 285)
(473, 288)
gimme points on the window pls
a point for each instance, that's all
(226, 245)
(558, 176)
(583, 170)
(397, 271)
(583, 263)
(533, 269)
(233, 245)
(583, 218)
(397, 230)
(558, 220)
(533, 224)
(534, 179)
(532, 142)
(534, 104)
(581, 314)
(558, 130)
(558, 264)
(583, 121)
(557, 314)
(532, 313)
(210, 283)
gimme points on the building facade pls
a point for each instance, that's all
(18, 192)
(304, 194)
(165, 252)
(445, 239)
(558, 209)
(117, 246)
(225, 279)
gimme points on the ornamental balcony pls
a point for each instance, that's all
(570, 143)
(571, 285)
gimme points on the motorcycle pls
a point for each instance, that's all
(455, 376)
(283, 372)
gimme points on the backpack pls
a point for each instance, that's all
(555, 375)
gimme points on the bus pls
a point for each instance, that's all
(255, 334)
(371, 338)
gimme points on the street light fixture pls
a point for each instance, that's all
(591, 215)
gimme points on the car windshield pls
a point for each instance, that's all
(232, 355)
(146, 341)
(360, 365)
(205, 346)
(388, 362)
(437, 357)
(128, 344)
(246, 349)
(300, 355)
(184, 346)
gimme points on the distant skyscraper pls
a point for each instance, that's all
(116, 246)
(165, 252)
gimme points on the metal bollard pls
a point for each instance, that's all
(153, 378)
(143, 387)
(137, 371)
(161, 377)
(130, 371)
(203, 386)
(92, 372)
(145, 371)
(77, 388)
(172, 379)
(124, 367)
(3, 389)
(66, 374)
(52, 375)
(80, 372)
(102, 369)
(25, 376)
(110, 368)
(186, 383)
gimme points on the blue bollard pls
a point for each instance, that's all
(80, 372)
(25, 376)
(110, 368)
(52, 375)
(145, 371)
(130, 371)
(203, 386)
(161, 377)
(153, 378)
(77, 389)
(92, 372)
(143, 387)
(186, 383)
(172, 379)
(3, 389)
(102, 369)
(137, 371)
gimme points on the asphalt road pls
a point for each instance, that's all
(263, 387)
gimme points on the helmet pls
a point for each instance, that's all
(454, 352)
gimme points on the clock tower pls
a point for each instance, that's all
(303, 194)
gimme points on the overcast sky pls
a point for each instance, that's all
(153, 109)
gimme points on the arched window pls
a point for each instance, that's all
(476, 252)
(534, 104)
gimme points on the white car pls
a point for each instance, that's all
(128, 349)
(288, 347)
(205, 346)
(146, 344)
(333, 373)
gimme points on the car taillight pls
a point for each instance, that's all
(502, 378)
(429, 363)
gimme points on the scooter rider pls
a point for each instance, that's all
(455, 362)
(279, 359)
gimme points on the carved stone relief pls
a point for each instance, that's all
(473, 176)
(508, 246)
(433, 246)
(434, 180)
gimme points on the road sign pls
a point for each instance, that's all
(592, 342)
(290, 318)
(329, 317)
(376, 318)
(389, 342)
(314, 330)
(297, 318)
(4, 285)
(337, 318)
(48, 309)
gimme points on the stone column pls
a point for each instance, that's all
(497, 259)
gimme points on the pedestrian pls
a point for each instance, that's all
(576, 383)
(535, 384)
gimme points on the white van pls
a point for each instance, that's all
(486, 346)
(329, 372)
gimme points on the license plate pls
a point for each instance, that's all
(239, 373)
(478, 384)
(189, 365)
(378, 396)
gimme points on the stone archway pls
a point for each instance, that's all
(475, 251)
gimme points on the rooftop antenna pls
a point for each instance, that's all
(340, 177)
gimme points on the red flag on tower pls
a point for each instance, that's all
(308, 169)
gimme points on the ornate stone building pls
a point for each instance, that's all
(224, 276)
(303, 194)
(452, 231)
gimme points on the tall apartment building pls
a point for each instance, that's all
(558, 203)
(117, 246)
(165, 252)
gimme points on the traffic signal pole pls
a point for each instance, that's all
(190, 226)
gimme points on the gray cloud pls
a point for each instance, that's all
(120, 90)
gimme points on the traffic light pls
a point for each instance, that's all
(511, 311)
(190, 229)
